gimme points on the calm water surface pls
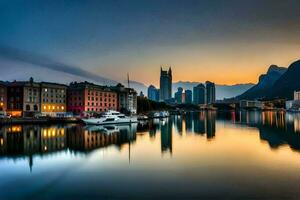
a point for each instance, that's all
(249, 155)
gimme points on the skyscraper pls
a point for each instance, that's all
(210, 92)
(165, 91)
(178, 95)
(199, 93)
(188, 96)
(153, 93)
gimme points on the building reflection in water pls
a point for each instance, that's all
(276, 128)
(26, 141)
(166, 135)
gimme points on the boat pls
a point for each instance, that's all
(161, 114)
(110, 117)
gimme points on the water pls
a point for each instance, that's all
(248, 155)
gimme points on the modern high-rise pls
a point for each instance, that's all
(178, 96)
(165, 91)
(199, 93)
(153, 93)
(210, 92)
(188, 97)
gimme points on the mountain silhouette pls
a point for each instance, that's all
(265, 83)
(289, 82)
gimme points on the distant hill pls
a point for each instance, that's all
(285, 86)
(265, 83)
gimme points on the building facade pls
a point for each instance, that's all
(153, 93)
(53, 98)
(165, 91)
(247, 104)
(85, 98)
(199, 94)
(188, 97)
(15, 96)
(296, 95)
(31, 103)
(179, 95)
(210, 92)
(3, 96)
(127, 99)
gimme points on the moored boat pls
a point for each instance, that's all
(111, 117)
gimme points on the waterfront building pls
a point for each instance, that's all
(53, 99)
(15, 96)
(199, 93)
(179, 95)
(247, 104)
(296, 95)
(31, 103)
(210, 92)
(3, 96)
(188, 96)
(295, 103)
(153, 93)
(85, 98)
(127, 99)
(165, 91)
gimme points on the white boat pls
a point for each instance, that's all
(161, 114)
(111, 117)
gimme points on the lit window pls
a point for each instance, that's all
(46, 90)
(53, 107)
(62, 107)
(45, 107)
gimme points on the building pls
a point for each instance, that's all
(153, 93)
(3, 96)
(85, 98)
(296, 95)
(15, 96)
(165, 91)
(53, 99)
(31, 100)
(179, 95)
(142, 94)
(127, 99)
(247, 104)
(294, 104)
(188, 97)
(199, 92)
(210, 92)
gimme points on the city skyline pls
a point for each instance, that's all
(243, 38)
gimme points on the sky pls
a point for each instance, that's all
(227, 42)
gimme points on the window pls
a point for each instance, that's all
(35, 107)
(27, 107)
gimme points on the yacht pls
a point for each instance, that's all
(110, 117)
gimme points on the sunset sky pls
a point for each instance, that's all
(226, 42)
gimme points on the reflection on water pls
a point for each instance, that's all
(201, 154)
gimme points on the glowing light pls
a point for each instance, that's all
(62, 107)
(45, 133)
(45, 107)
(1, 104)
(45, 148)
(1, 141)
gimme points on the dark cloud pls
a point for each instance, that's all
(41, 61)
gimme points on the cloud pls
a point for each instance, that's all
(44, 62)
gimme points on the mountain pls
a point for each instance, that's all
(289, 82)
(265, 83)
